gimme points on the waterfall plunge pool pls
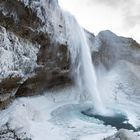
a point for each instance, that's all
(65, 114)
(118, 120)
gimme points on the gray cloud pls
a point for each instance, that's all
(112, 3)
(132, 20)
(131, 15)
(130, 9)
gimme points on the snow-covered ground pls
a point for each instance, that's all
(53, 116)
(56, 116)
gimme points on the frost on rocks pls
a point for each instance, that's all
(17, 56)
(34, 54)
(51, 16)
(17, 62)
(6, 133)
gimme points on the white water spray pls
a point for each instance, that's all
(86, 76)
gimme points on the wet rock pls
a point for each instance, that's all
(8, 87)
(44, 80)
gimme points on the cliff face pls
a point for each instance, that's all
(34, 54)
(112, 48)
(33, 47)
(17, 61)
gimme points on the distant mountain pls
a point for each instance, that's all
(112, 48)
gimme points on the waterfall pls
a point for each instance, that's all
(83, 67)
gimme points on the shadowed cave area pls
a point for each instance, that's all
(119, 120)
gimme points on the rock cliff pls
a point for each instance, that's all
(34, 55)
(112, 48)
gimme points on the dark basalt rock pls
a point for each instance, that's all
(8, 87)
(13, 82)
(44, 80)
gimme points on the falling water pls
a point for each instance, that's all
(82, 62)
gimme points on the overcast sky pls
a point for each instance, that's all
(120, 16)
